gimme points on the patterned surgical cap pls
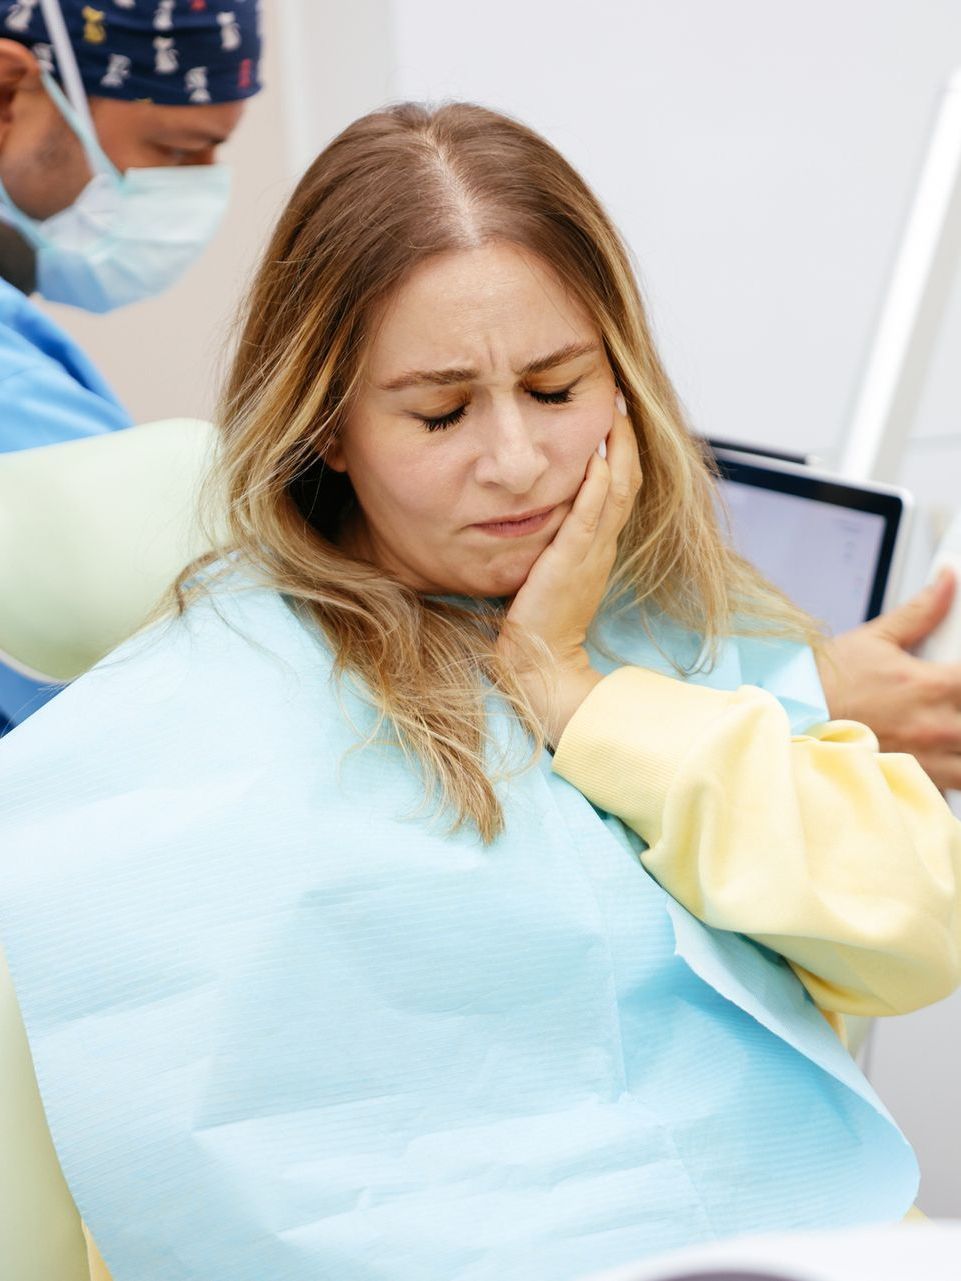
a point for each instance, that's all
(176, 52)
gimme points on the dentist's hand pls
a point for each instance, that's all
(870, 675)
(567, 582)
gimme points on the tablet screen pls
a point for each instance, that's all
(823, 556)
(827, 543)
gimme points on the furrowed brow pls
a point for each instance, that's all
(430, 378)
(455, 377)
(570, 351)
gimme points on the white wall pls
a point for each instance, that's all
(759, 157)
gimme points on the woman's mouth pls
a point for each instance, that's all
(517, 526)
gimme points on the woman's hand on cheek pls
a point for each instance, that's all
(567, 582)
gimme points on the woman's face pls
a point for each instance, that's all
(484, 393)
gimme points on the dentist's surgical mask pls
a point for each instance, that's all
(128, 235)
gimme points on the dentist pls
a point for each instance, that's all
(110, 122)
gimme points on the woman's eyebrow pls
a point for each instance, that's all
(563, 354)
(431, 377)
(454, 376)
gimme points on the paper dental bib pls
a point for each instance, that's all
(285, 1028)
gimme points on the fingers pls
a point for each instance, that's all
(604, 501)
(949, 680)
(584, 518)
(943, 769)
(911, 622)
(624, 463)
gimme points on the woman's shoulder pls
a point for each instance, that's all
(231, 619)
(234, 661)
(229, 625)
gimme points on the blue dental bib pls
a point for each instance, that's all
(287, 1028)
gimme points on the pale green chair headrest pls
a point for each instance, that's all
(92, 534)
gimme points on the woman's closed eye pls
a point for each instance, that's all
(444, 421)
(560, 397)
(440, 422)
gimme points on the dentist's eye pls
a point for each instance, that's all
(561, 397)
(444, 421)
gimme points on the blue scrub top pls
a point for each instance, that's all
(49, 392)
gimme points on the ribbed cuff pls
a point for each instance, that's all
(623, 746)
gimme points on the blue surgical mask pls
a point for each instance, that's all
(127, 236)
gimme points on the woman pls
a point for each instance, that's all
(452, 889)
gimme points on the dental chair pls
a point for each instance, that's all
(92, 533)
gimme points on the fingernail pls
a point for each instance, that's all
(620, 402)
(602, 449)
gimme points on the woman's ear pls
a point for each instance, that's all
(334, 457)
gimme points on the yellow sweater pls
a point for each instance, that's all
(844, 860)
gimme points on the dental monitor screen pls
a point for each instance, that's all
(828, 544)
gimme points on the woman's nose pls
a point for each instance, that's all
(512, 456)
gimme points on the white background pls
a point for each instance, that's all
(758, 155)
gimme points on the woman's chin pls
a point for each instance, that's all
(480, 579)
(501, 580)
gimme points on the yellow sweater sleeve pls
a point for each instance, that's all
(845, 860)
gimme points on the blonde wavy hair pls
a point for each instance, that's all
(395, 188)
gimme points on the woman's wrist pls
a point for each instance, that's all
(555, 689)
(575, 694)
(573, 682)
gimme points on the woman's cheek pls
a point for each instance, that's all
(591, 428)
(434, 490)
